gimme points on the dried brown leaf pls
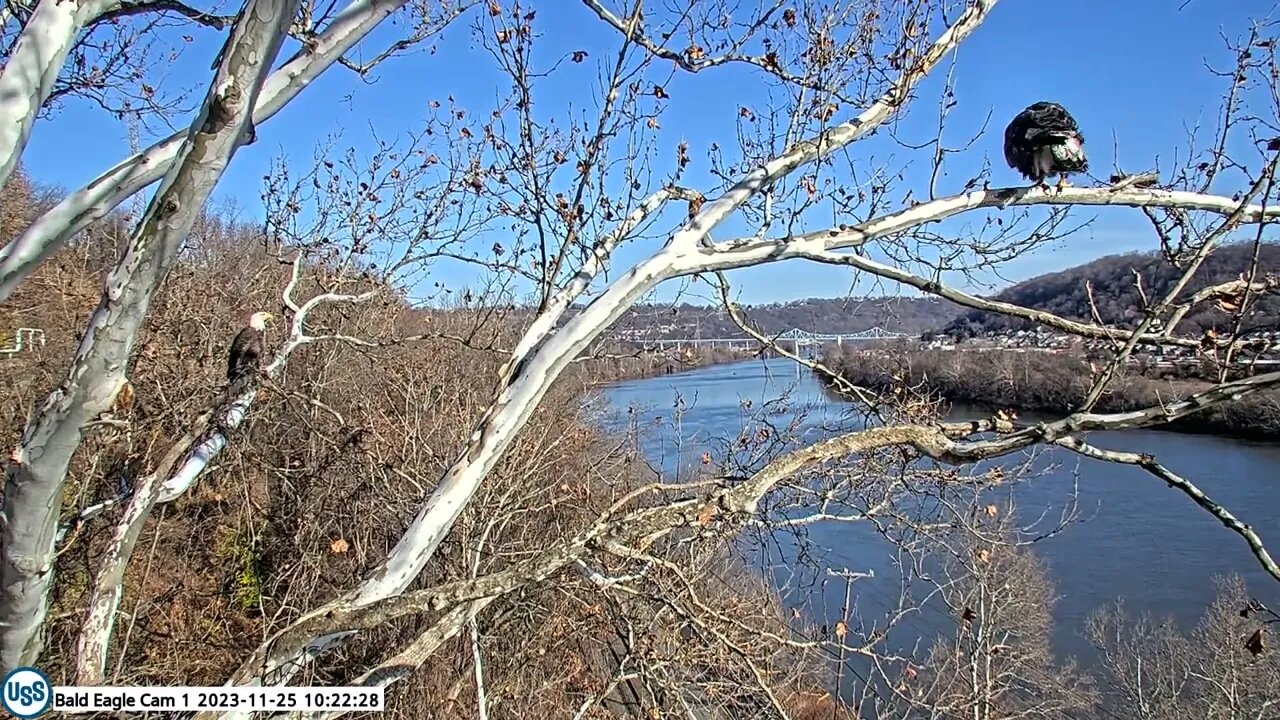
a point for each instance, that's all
(707, 515)
(695, 206)
(124, 399)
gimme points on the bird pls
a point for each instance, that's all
(1045, 140)
(246, 353)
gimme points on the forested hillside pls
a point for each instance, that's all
(1115, 290)
(823, 315)
(1113, 280)
(304, 386)
(289, 520)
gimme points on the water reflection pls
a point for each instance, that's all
(1135, 538)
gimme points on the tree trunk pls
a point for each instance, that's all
(38, 466)
(28, 77)
(92, 202)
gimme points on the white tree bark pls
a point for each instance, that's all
(92, 202)
(617, 531)
(104, 597)
(37, 468)
(195, 159)
(684, 255)
(528, 376)
(516, 402)
(93, 642)
(27, 79)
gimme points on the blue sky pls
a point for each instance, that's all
(1131, 71)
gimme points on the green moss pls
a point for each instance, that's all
(240, 548)
(210, 628)
(73, 584)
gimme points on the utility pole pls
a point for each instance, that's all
(849, 576)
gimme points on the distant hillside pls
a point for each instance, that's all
(823, 315)
(1116, 295)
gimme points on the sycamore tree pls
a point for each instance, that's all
(541, 206)
(51, 44)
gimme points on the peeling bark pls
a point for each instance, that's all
(94, 641)
(527, 378)
(195, 450)
(681, 257)
(516, 402)
(92, 202)
(616, 531)
(37, 468)
(27, 79)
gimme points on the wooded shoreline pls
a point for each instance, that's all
(1050, 383)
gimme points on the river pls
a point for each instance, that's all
(1134, 538)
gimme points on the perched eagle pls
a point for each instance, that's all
(246, 353)
(1044, 140)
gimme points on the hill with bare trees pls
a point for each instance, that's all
(417, 487)
(1115, 288)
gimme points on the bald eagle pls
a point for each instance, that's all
(1044, 140)
(246, 353)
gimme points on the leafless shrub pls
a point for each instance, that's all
(412, 493)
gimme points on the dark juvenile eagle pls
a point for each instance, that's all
(246, 353)
(1044, 140)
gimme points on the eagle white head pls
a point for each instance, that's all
(258, 320)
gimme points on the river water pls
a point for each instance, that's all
(1133, 537)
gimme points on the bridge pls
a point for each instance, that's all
(795, 337)
(22, 339)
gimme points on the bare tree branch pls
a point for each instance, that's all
(526, 380)
(735, 503)
(1042, 317)
(27, 78)
(128, 9)
(1148, 463)
(164, 484)
(37, 467)
(92, 202)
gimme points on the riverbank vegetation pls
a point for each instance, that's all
(414, 490)
(1047, 382)
(326, 475)
(682, 321)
